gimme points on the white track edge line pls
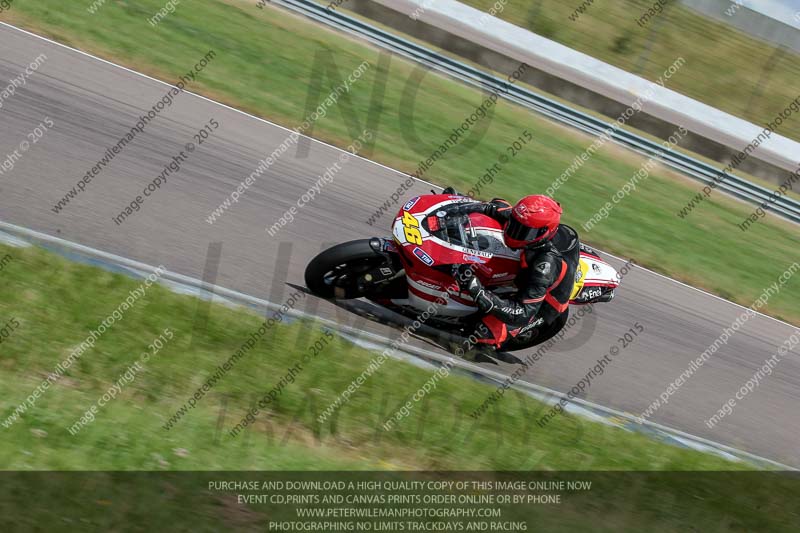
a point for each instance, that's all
(162, 82)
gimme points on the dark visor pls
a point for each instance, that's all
(520, 232)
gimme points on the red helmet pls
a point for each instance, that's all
(534, 221)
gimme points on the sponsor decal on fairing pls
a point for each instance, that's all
(422, 256)
(410, 203)
(469, 258)
(427, 284)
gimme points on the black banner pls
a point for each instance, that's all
(400, 501)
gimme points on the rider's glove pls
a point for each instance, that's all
(465, 277)
(469, 283)
(498, 209)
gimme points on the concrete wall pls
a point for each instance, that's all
(583, 80)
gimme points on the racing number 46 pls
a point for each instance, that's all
(411, 228)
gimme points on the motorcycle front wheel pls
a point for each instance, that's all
(335, 272)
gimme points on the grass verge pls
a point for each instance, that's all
(130, 432)
(55, 303)
(263, 56)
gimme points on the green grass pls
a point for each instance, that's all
(725, 67)
(264, 65)
(56, 302)
(128, 432)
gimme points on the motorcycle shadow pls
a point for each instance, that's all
(443, 340)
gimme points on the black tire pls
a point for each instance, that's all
(346, 258)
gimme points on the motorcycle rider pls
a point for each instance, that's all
(550, 254)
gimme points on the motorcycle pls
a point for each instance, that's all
(414, 270)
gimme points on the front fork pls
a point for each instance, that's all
(378, 278)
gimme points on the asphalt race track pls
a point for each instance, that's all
(92, 104)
